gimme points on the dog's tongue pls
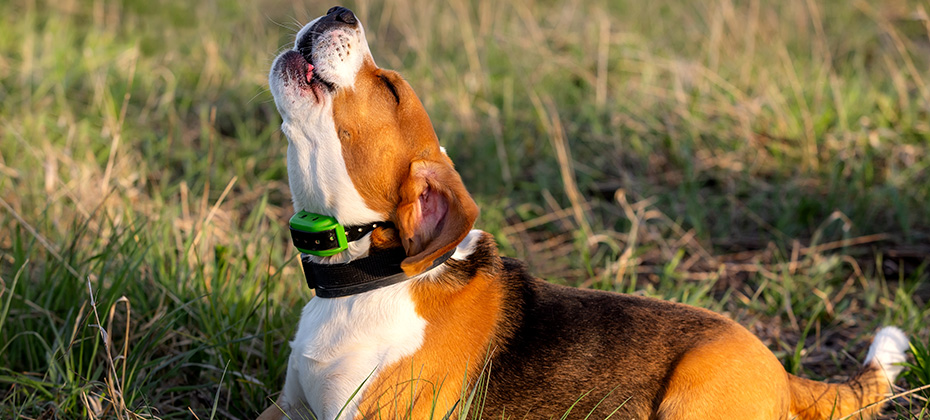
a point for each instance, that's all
(309, 72)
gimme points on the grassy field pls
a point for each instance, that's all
(768, 160)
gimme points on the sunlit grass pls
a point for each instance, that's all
(768, 160)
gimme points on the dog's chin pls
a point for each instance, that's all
(293, 75)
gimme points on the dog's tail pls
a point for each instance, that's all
(858, 397)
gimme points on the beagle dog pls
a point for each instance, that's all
(417, 316)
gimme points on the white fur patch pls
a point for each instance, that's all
(887, 350)
(467, 246)
(338, 55)
(342, 341)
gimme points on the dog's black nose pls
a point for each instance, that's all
(342, 15)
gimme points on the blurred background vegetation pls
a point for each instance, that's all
(765, 159)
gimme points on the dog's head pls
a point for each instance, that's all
(361, 148)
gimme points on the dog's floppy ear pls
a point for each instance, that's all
(434, 215)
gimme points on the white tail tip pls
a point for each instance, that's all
(888, 349)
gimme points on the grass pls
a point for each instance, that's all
(768, 160)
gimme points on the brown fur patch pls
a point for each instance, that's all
(381, 136)
(387, 138)
(731, 376)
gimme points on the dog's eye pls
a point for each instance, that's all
(390, 86)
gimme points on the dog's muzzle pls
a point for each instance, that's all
(337, 17)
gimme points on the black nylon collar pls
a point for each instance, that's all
(379, 269)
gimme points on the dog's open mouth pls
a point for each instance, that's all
(296, 68)
(313, 77)
(326, 56)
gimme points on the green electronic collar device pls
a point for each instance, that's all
(320, 235)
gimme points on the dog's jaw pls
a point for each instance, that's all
(316, 170)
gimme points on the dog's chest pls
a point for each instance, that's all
(342, 343)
